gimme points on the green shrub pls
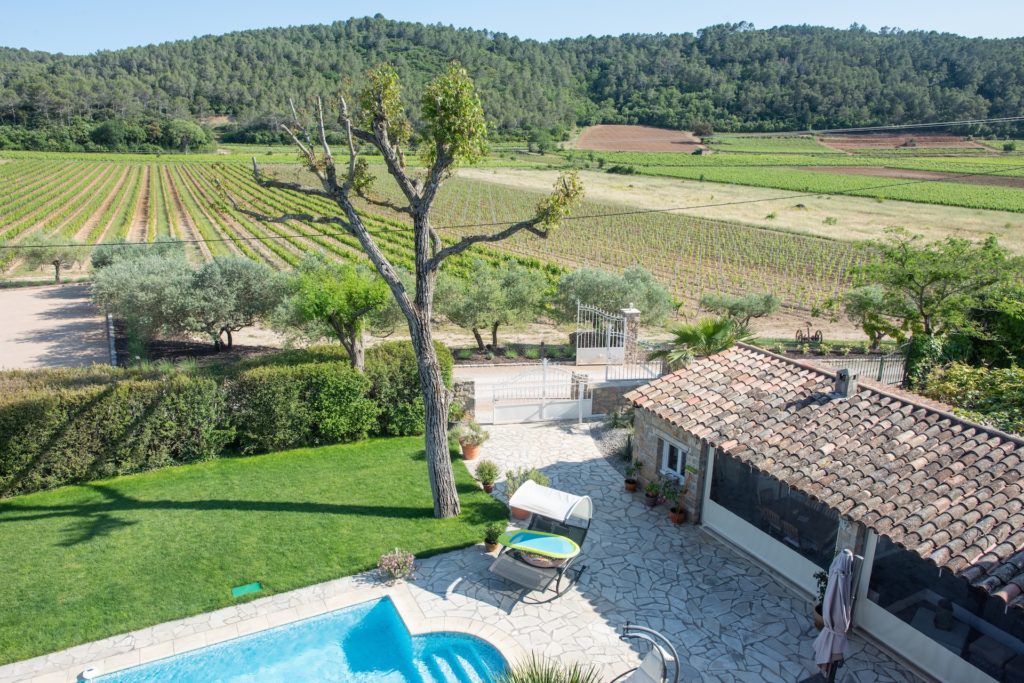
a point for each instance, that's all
(395, 386)
(61, 435)
(281, 406)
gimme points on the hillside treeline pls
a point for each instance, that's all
(732, 77)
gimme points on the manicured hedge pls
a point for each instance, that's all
(74, 425)
(278, 407)
(391, 369)
(61, 435)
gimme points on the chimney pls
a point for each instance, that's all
(846, 384)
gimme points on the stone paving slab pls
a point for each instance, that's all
(730, 619)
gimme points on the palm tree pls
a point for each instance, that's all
(702, 338)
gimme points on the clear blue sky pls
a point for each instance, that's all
(83, 26)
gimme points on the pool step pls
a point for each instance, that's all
(451, 665)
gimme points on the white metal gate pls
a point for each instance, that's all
(600, 336)
(545, 393)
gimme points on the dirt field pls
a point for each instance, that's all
(855, 217)
(54, 326)
(1000, 181)
(885, 141)
(613, 138)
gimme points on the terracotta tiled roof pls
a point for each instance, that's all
(938, 485)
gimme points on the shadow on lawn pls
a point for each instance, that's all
(97, 519)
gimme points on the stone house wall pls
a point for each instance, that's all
(647, 428)
(609, 397)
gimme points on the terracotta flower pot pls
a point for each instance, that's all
(630, 485)
(491, 547)
(819, 621)
(488, 486)
(470, 450)
(677, 515)
(519, 513)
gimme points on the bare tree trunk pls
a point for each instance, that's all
(226, 331)
(479, 340)
(436, 401)
(56, 272)
(494, 336)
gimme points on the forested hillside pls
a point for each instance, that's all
(730, 76)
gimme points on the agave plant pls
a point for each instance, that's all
(703, 338)
(538, 670)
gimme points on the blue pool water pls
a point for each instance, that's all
(366, 642)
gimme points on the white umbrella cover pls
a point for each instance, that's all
(835, 610)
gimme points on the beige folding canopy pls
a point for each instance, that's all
(553, 504)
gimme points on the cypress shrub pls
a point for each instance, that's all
(56, 435)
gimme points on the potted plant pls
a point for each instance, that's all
(516, 478)
(456, 413)
(470, 436)
(491, 533)
(652, 492)
(486, 473)
(677, 513)
(822, 578)
(632, 469)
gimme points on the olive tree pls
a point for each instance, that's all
(635, 287)
(489, 296)
(55, 253)
(453, 131)
(152, 294)
(231, 293)
(741, 308)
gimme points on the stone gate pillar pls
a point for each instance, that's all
(632, 353)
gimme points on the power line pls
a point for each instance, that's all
(614, 214)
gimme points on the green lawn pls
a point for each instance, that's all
(85, 562)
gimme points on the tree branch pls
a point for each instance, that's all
(265, 181)
(468, 241)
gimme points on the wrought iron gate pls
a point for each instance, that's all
(600, 336)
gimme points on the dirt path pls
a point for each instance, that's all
(837, 216)
(114, 196)
(140, 218)
(53, 326)
(910, 174)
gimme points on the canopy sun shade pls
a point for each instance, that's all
(552, 503)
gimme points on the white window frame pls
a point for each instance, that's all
(667, 442)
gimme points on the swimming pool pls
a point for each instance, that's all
(362, 643)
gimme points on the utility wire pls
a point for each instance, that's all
(613, 214)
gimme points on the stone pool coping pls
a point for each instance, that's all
(153, 643)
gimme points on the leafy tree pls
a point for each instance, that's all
(184, 135)
(453, 131)
(635, 287)
(152, 294)
(741, 308)
(993, 396)
(56, 253)
(874, 309)
(489, 296)
(229, 294)
(932, 287)
(338, 298)
(703, 338)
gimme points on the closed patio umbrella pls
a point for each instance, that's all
(830, 645)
